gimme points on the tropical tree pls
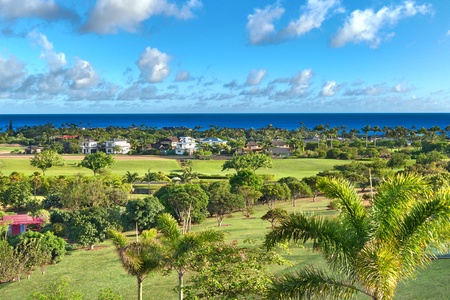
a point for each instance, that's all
(222, 201)
(250, 195)
(131, 178)
(97, 161)
(251, 161)
(150, 177)
(298, 188)
(274, 216)
(142, 213)
(367, 250)
(141, 257)
(181, 248)
(46, 159)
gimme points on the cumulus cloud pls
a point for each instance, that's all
(313, 17)
(183, 76)
(54, 60)
(260, 24)
(366, 25)
(255, 77)
(154, 65)
(82, 75)
(43, 9)
(299, 84)
(12, 73)
(109, 16)
(401, 88)
(330, 88)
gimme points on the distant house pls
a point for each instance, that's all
(88, 146)
(280, 144)
(252, 146)
(17, 224)
(213, 141)
(276, 151)
(186, 145)
(117, 146)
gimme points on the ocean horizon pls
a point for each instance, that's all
(230, 120)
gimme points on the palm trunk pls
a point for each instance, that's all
(180, 286)
(139, 287)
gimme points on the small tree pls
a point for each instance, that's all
(222, 201)
(97, 161)
(275, 215)
(142, 213)
(46, 159)
(139, 258)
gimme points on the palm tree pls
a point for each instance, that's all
(367, 250)
(141, 257)
(154, 176)
(179, 246)
(131, 178)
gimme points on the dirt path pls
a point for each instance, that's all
(80, 157)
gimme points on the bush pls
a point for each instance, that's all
(52, 201)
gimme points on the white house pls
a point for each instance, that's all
(117, 146)
(185, 145)
(89, 146)
(213, 141)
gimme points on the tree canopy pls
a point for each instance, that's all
(46, 159)
(97, 161)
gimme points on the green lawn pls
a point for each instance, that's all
(281, 167)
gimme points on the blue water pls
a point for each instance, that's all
(281, 120)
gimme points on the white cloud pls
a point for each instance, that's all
(55, 61)
(183, 76)
(329, 89)
(313, 17)
(401, 88)
(154, 65)
(12, 73)
(82, 75)
(372, 90)
(260, 25)
(365, 26)
(448, 33)
(109, 16)
(45, 9)
(299, 84)
(255, 77)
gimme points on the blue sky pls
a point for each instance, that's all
(215, 56)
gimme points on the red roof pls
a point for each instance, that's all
(22, 219)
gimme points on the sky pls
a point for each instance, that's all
(220, 56)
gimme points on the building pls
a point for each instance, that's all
(117, 146)
(17, 224)
(186, 145)
(89, 146)
(213, 141)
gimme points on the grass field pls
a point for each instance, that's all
(91, 271)
(281, 167)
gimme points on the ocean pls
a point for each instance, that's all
(238, 120)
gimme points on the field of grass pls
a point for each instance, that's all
(281, 167)
(91, 271)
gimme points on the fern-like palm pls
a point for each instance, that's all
(179, 247)
(368, 250)
(141, 257)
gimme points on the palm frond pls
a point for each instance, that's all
(395, 197)
(311, 283)
(328, 235)
(119, 239)
(379, 268)
(426, 226)
(168, 226)
(352, 208)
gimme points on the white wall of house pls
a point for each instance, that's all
(110, 146)
(185, 145)
(89, 146)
